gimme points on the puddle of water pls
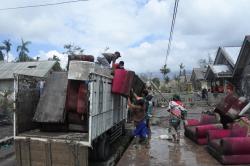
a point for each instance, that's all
(165, 152)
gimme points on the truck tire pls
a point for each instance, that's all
(103, 148)
(123, 129)
(93, 153)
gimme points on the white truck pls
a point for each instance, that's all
(106, 116)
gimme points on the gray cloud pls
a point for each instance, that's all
(201, 26)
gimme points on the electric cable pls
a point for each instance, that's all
(41, 5)
(172, 29)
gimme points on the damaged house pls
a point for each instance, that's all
(231, 70)
(241, 73)
(36, 68)
(198, 79)
(220, 74)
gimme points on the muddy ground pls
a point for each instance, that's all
(158, 152)
(166, 152)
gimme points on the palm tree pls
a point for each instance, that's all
(57, 66)
(181, 68)
(7, 48)
(1, 53)
(23, 51)
(1, 56)
(165, 70)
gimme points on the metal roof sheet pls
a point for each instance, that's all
(221, 70)
(200, 73)
(37, 68)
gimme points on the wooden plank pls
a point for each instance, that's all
(69, 154)
(39, 153)
(48, 153)
(60, 153)
(83, 155)
(18, 152)
(25, 152)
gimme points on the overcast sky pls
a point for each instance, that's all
(139, 29)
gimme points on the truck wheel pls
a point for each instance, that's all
(104, 148)
(123, 129)
(93, 154)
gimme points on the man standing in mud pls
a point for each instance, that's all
(138, 109)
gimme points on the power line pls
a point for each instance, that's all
(172, 30)
(41, 5)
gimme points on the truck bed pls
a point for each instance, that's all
(75, 136)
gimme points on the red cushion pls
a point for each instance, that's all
(218, 134)
(240, 132)
(201, 131)
(235, 145)
(191, 122)
(235, 159)
(207, 119)
(215, 144)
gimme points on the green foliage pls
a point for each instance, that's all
(57, 66)
(72, 49)
(165, 70)
(1, 56)
(23, 52)
(181, 69)
(166, 79)
(7, 48)
(1, 53)
(156, 81)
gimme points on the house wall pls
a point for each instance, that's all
(222, 61)
(204, 84)
(6, 85)
(243, 83)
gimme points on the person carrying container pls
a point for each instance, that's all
(177, 114)
(140, 132)
(147, 98)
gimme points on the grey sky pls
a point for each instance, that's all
(139, 29)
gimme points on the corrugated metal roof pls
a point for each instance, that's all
(200, 73)
(38, 68)
(221, 70)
